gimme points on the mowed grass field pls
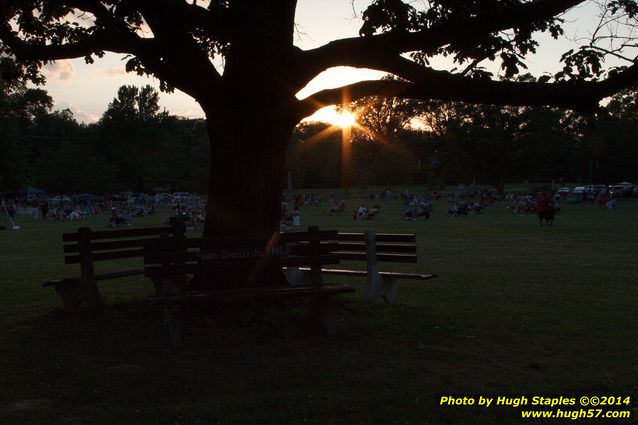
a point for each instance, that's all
(517, 309)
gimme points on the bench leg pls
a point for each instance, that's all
(71, 299)
(296, 277)
(389, 289)
(172, 318)
(93, 297)
(376, 286)
(75, 293)
(328, 314)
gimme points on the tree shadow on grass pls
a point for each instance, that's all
(388, 364)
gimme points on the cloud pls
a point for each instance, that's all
(85, 117)
(62, 70)
(78, 114)
(188, 113)
(112, 72)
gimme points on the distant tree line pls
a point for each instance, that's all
(439, 143)
(136, 146)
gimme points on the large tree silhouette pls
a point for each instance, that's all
(251, 108)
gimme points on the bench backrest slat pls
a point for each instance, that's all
(155, 247)
(381, 247)
(320, 235)
(106, 256)
(159, 257)
(107, 245)
(120, 233)
(178, 257)
(104, 245)
(389, 247)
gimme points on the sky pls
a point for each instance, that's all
(87, 89)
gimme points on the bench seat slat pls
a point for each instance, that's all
(102, 276)
(390, 258)
(262, 262)
(249, 293)
(361, 273)
(402, 275)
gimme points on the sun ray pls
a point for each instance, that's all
(346, 141)
(323, 133)
(342, 118)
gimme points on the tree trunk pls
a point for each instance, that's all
(245, 184)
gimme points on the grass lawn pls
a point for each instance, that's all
(517, 310)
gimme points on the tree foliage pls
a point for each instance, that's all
(187, 35)
(134, 146)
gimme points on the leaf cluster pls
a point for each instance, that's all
(509, 47)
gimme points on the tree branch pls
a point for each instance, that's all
(440, 85)
(361, 51)
(164, 56)
(96, 42)
(176, 38)
(215, 21)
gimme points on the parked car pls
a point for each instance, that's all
(578, 190)
(60, 199)
(182, 196)
(622, 189)
(564, 191)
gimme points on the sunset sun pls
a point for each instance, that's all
(344, 119)
(336, 118)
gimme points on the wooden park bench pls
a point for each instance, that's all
(86, 247)
(372, 249)
(170, 264)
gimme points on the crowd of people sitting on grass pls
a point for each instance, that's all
(408, 198)
(290, 217)
(191, 211)
(463, 209)
(301, 200)
(417, 207)
(528, 204)
(461, 204)
(336, 207)
(192, 214)
(120, 212)
(43, 210)
(365, 213)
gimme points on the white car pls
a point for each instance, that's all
(578, 190)
(60, 199)
(564, 191)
